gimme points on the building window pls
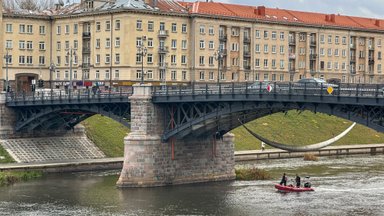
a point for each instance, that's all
(75, 44)
(183, 59)
(184, 28)
(9, 28)
(211, 75)
(184, 75)
(184, 44)
(282, 36)
(117, 25)
(202, 29)
(66, 45)
(8, 44)
(211, 30)
(21, 59)
(97, 43)
(58, 60)
(282, 49)
(150, 26)
(329, 39)
(265, 48)
(257, 33)
(75, 28)
(41, 45)
(139, 25)
(29, 29)
(265, 34)
(22, 45)
(97, 74)
(274, 35)
(29, 45)
(202, 44)
(273, 48)
(174, 27)
(22, 28)
(173, 44)
(9, 59)
(107, 25)
(150, 42)
(66, 29)
(201, 60)
(107, 42)
(117, 42)
(107, 74)
(117, 74)
(42, 30)
(149, 74)
(149, 58)
(97, 59)
(107, 58)
(98, 26)
(173, 59)
(201, 75)
(75, 74)
(173, 75)
(117, 58)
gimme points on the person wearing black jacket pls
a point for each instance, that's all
(283, 180)
(298, 180)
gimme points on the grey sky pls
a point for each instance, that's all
(364, 8)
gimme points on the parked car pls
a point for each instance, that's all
(315, 82)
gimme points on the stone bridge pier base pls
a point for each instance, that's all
(149, 162)
(7, 118)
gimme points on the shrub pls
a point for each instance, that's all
(310, 157)
(252, 174)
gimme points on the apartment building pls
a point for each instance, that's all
(110, 43)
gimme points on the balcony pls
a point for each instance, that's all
(352, 46)
(353, 61)
(247, 54)
(85, 65)
(224, 52)
(371, 61)
(313, 43)
(247, 40)
(353, 71)
(163, 33)
(292, 56)
(223, 37)
(247, 67)
(292, 70)
(312, 56)
(371, 47)
(163, 49)
(292, 42)
(86, 50)
(86, 34)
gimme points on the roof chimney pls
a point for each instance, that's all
(261, 10)
(333, 18)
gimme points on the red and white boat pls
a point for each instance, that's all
(291, 188)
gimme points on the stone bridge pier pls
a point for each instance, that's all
(150, 162)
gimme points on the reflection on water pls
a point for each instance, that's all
(346, 186)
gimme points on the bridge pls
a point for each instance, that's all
(180, 134)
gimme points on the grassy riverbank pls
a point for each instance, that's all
(107, 134)
(9, 178)
(4, 156)
(292, 128)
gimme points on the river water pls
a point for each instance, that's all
(343, 186)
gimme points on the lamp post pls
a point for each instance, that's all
(7, 57)
(142, 50)
(70, 53)
(218, 57)
(51, 70)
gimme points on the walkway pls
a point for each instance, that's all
(116, 163)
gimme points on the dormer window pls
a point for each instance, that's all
(89, 4)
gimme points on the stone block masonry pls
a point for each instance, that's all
(148, 161)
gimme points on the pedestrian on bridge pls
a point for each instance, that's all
(262, 146)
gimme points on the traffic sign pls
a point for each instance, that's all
(269, 88)
(330, 90)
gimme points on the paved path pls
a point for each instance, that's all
(116, 163)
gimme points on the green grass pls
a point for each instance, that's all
(252, 174)
(107, 134)
(7, 158)
(302, 129)
(9, 178)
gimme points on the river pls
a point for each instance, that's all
(343, 186)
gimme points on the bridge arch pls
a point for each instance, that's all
(205, 119)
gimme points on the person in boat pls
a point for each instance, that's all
(298, 181)
(283, 180)
(307, 184)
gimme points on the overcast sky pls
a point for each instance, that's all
(364, 8)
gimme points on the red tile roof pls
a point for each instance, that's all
(281, 15)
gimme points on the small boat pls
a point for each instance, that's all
(291, 188)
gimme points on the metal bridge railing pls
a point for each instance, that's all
(65, 95)
(283, 88)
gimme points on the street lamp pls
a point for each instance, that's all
(7, 57)
(218, 55)
(51, 70)
(70, 53)
(142, 51)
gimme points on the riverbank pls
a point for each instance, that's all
(240, 156)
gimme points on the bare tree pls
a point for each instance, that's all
(33, 5)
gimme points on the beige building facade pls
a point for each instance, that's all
(95, 43)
